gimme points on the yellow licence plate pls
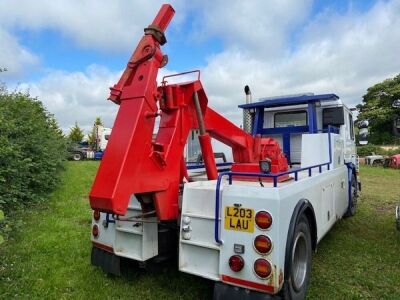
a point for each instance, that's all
(239, 218)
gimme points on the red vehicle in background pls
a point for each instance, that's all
(395, 161)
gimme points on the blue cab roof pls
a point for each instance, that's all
(290, 100)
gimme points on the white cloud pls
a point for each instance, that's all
(14, 57)
(258, 26)
(101, 25)
(77, 96)
(107, 26)
(344, 54)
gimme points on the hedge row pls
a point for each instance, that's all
(32, 150)
(368, 149)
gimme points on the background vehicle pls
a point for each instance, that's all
(394, 161)
(374, 160)
(78, 151)
(252, 229)
(85, 151)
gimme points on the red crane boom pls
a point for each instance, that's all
(134, 163)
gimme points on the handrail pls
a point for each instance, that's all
(180, 74)
(195, 165)
(274, 176)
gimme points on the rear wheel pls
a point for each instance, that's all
(77, 156)
(297, 281)
(351, 210)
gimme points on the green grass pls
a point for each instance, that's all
(49, 255)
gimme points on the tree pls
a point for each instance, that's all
(1, 219)
(377, 108)
(76, 134)
(92, 134)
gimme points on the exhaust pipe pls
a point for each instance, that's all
(247, 115)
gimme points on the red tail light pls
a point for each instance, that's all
(96, 215)
(263, 244)
(95, 231)
(263, 219)
(262, 268)
(236, 263)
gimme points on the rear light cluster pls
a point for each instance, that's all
(262, 245)
(236, 263)
(95, 231)
(263, 220)
(262, 267)
(96, 215)
(95, 228)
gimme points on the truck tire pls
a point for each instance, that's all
(77, 156)
(398, 217)
(296, 282)
(351, 210)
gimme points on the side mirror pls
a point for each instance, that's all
(363, 124)
(363, 136)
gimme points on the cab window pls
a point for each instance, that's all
(288, 119)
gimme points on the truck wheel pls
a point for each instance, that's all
(77, 156)
(398, 218)
(351, 210)
(296, 284)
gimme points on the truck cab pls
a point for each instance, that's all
(287, 122)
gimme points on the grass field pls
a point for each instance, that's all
(49, 255)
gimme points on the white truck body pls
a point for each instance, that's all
(199, 254)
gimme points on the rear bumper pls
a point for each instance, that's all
(225, 291)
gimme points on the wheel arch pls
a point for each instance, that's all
(352, 171)
(302, 207)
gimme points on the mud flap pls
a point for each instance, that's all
(225, 291)
(109, 262)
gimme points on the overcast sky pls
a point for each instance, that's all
(68, 53)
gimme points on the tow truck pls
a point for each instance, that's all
(251, 229)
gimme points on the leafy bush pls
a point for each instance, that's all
(368, 149)
(32, 150)
(392, 151)
(1, 219)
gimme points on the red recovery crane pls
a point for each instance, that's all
(153, 169)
